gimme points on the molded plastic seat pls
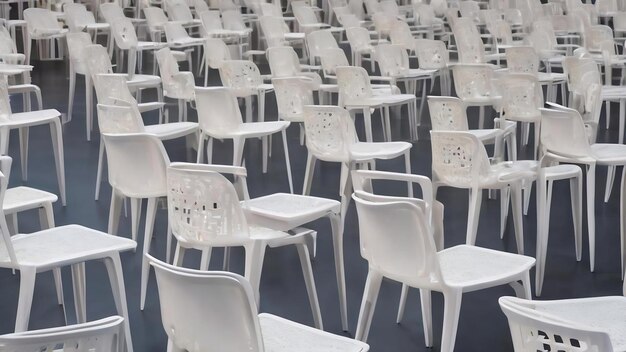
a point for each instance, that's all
(474, 84)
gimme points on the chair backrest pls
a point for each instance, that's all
(329, 132)
(305, 15)
(400, 34)
(241, 76)
(383, 23)
(354, 84)
(274, 30)
(97, 60)
(533, 329)
(522, 59)
(178, 10)
(425, 14)
(104, 335)
(331, 59)
(119, 117)
(112, 87)
(174, 31)
(155, 18)
(619, 21)
(232, 20)
(111, 12)
(5, 102)
(469, 9)
(203, 207)
(176, 84)
(470, 46)
(77, 44)
(447, 114)
(606, 6)
(218, 110)
(284, 61)
(459, 158)
(216, 52)
(473, 81)
(292, 95)
(124, 34)
(199, 308)
(137, 164)
(319, 41)
(200, 6)
(522, 96)
(431, 54)
(563, 133)
(393, 60)
(396, 240)
(389, 7)
(7, 44)
(41, 22)
(359, 38)
(77, 16)
(211, 21)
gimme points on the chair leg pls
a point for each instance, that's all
(59, 158)
(99, 170)
(135, 215)
(543, 223)
(591, 217)
(79, 286)
(516, 200)
(309, 280)
(255, 254)
(200, 155)
(576, 195)
(402, 304)
(504, 209)
(88, 106)
(24, 151)
(427, 316)
(205, 259)
(264, 152)
(368, 305)
(147, 239)
(622, 223)
(238, 145)
(168, 245)
(407, 169)
(72, 88)
(476, 196)
(610, 179)
(308, 174)
(27, 287)
(114, 212)
(367, 119)
(287, 161)
(452, 310)
(116, 277)
(340, 272)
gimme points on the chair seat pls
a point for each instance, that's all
(545, 77)
(473, 268)
(609, 153)
(144, 81)
(295, 36)
(286, 211)
(141, 45)
(505, 172)
(416, 73)
(96, 26)
(9, 69)
(281, 335)
(598, 313)
(30, 118)
(172, 130)
(22, 198)
(486, 134)
(254, 129)
(362, 151)
(613, 92)
(185, 42)
(63, 245)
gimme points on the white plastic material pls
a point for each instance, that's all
(243, 78)
(104, 335)
(396, 240)
(474, 84)
(460, 160)
(433, 55)
(216, 311)
(319, 41)
(204, 212)
(176, 85)
(42, 24)
(76, 44)
(585, 324)
(360, 45)
(219, 117)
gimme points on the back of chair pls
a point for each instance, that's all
(76, 45)
(283, 61)
(104, 335)
(431, 54)
(473, 81)
(470, 45)
(200, 6)
(155, 17)
(447, 113)
(7, 44)
(112, 87)
(218, 110)
(274, 30)
(216, 52)
(175, 31)
(178, 10)
(354, 84)
(242, 77)
(124, 34)
(41, 22)
(400, 34)
(619, 22)
(207, 311)
(359, 38)
(233, 21)
(203, 207)
(319, 41)
(211, 21)
(329, 132)
(331, 59)
(522, 59)
(77, 16)
(97, 60)
(5, 103)
(522, 96)
(292, 95)
(606, 6)
(563, 133)
(533, 330)
(111, 12)
(119, 117)
(396, 240)
(137, 164)
(393, 60)
(459, 159)
(305, 15)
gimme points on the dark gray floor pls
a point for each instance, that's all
(482, 326)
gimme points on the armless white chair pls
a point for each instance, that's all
(186, 293)
(244, 80)
(176, 85)
(396, 240)
(42, 25)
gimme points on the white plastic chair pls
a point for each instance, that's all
(178, 38)
(433, 55)
(179, 11)
(237, 325)
(331, 137)
(79, 19)
(474, 84)
(104, 335)
(204, 212)
(76, 44)
(126, 41)
(356, 93)
(460, 160)
(156, 20)
(408, 254)
(292, 95)
(43, 25)
(220, 118)
(592, 324)
(360, 46)
(244, 80)
(176, 85)
(319, 41)
(277, 33)
(69, 245)
(23, 121)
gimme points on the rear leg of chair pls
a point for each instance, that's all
(147, 239)
(591, 217)
(287, 161)
(622, 223)
(402, 304)
(135, 215)
(99, 170)
(452, 310)
(24, 151)
(79, 287)
(309, 280)
(610, 179)
(473, 215)
(27, 287)
(340, 272)
(516, 200)
(72, 88)
(116, 278)
(368, 305)
(114, 212)
(59, 157)
(427, 316)
(308, 174)
(576, 195)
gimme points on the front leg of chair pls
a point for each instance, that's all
(402, 304)
(576, 195)
(99, 170)
(264, 152)
(116, 278)
(88, 105)
(287, 161)
(340, 273)
(407, 169)
(24, 151)
(387, 122)
(172, 348)
(516, 200)
(543, 224)
(610, 179)
(367, 119)
(255, 255)
(368, 305)
(70, 102)
(200, 155)
(308, 174)
(27, 287)
(622, 223)
(238, 146)
(59, 158)
(476, 196)
(114, 212)
(423, 98)
(248, 101)
(5, 133)
(591, 217)
(79, 287)
(451, 312)
(135, 215)
(309, 280)
(147, 239)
